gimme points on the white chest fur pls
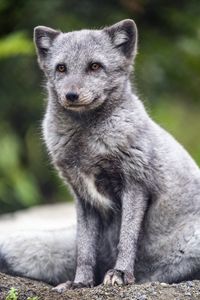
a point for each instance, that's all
(94, 197)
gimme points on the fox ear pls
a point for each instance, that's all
(124, 36)
(43, 39)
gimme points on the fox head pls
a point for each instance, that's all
(88, 67)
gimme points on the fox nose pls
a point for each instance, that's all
(71, 96)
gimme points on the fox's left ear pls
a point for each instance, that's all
(124, 36)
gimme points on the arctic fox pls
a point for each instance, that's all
(137, 191)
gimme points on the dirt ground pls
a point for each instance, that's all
(151, 291)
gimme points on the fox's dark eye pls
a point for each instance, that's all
(95, 66)
(61, 68)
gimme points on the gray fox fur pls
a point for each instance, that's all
(137, 190)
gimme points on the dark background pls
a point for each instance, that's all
(167, 78)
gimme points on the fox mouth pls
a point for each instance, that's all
(81, 105)
(77, 105)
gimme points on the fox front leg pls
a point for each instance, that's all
(87, 238)
(133, 208)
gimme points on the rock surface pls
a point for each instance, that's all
(150, 291)
(43, 217)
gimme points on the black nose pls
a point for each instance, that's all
(71, 96)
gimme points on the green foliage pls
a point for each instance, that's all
(166, 73)
(15, 44)
(12, 294)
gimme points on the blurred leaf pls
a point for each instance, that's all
(9, 152)
(26, 189)
(190, 46)
(3, 4)
(15, 44)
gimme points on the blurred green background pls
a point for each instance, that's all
(167, 78)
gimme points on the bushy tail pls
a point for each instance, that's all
(48, 256)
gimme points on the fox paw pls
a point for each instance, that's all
(117, 277)
(70, 285)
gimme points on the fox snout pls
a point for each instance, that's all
(72, 97)
(76, 97)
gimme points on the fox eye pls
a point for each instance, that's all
(61, 68)
(94, 66)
